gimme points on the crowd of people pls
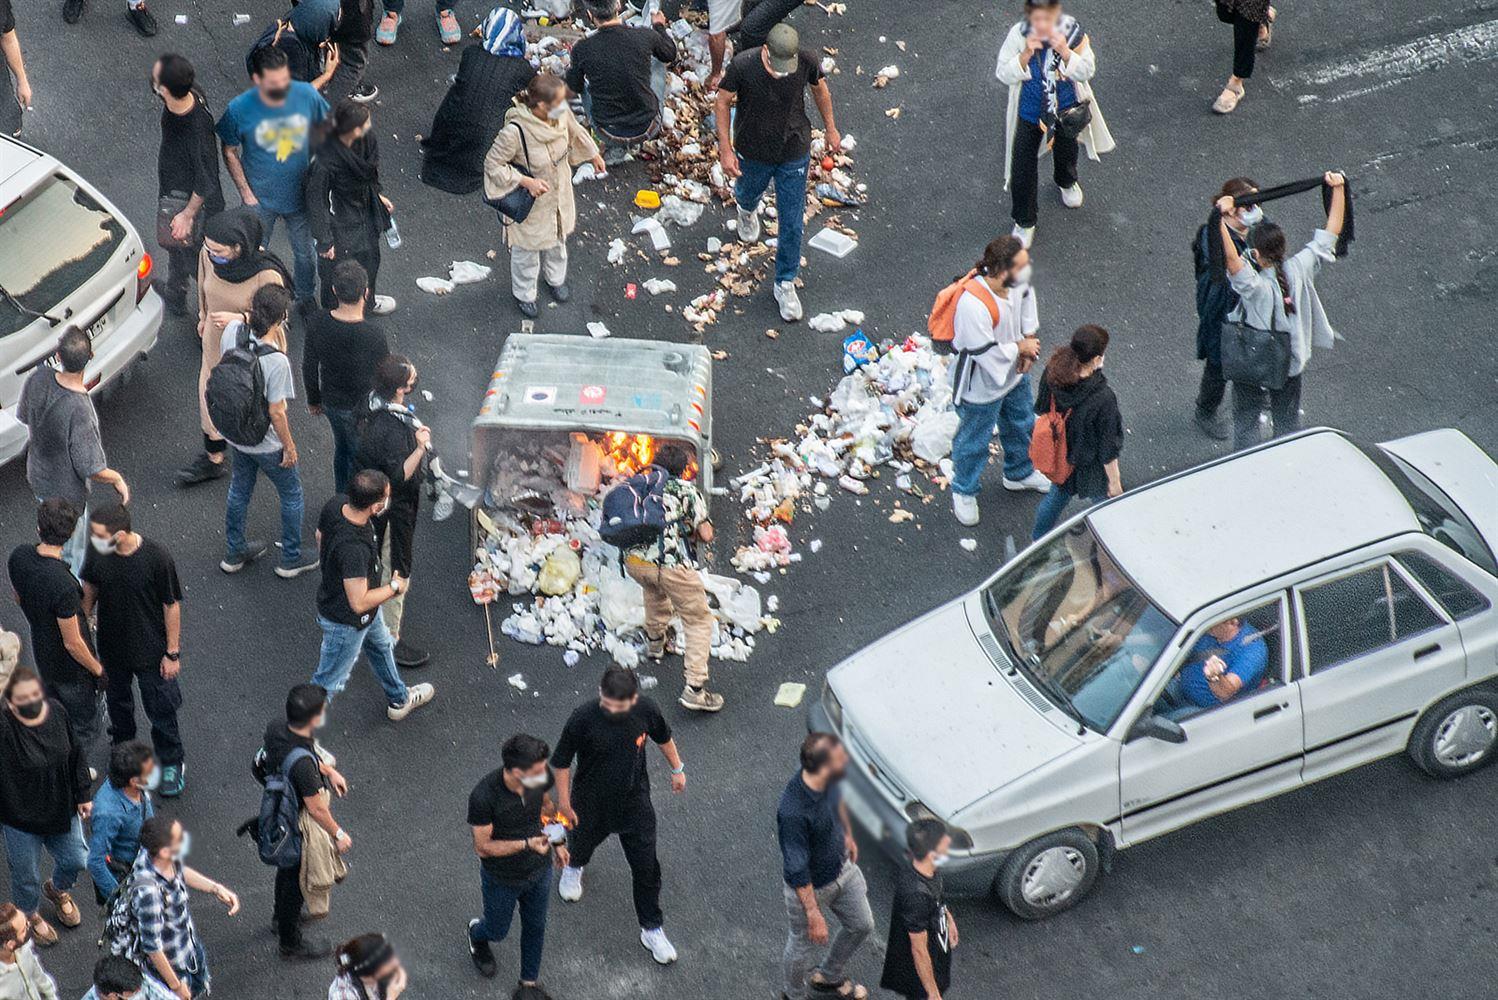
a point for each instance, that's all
(104, 605)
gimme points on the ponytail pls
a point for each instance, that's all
(1269, 246)
(998, 256)
(1067, 361)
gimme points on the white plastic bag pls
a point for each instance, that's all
(737, 601)
(931, 441)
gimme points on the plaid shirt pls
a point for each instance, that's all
(159, 905)
(344, 988)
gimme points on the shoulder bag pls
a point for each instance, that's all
(514, 205)
(1255, 356)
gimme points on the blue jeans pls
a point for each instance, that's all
(790, 205)
(303, 250)
(243, 469)
(1052, 505)
(196, 978)
(345, 442)
(499, 910)
(1014, 414)
(24, 852)
(341, 645)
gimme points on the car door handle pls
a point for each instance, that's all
(1425, 651)
(1264, 713)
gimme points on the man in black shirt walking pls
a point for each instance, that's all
(132, 581)
(612, 793)
(620, 73)
(515, 857)
(52, 601)
(188, 188)
(922, 931)
(338, 365)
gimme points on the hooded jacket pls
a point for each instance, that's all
(469, 118)
(1094, 430)
(554, 148)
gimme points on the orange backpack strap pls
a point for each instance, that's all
(980, 289)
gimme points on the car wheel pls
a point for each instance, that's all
(1048, 875)
(1457, 735)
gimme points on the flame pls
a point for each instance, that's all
(631, 453)
(555, 817)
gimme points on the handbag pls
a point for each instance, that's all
(515, 204)
(167, 208)
(1072, 122)
(1254, 356)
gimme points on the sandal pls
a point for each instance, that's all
(1266, 31)
(844, 989)
(1227, 100)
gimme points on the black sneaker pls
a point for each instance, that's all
(364, 93)
(252, 551)
(409, 656)
(305, 949)
(524, 992)
(303, 565)
(143, 21)
(560, 292)
(201, 470)
(481, 952)
(527, 309)
(72, 11)
(1213, 425)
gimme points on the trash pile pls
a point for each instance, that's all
(892, 410)
(538, 537)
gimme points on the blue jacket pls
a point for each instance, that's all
(114, 833)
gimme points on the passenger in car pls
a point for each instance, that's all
(1230, 659)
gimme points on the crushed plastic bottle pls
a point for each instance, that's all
(393, 235)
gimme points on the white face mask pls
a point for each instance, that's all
(535, 780)
(1022, 276)
(940, 860)
(1251, 216)
(186, 847)
(153, 780)
(379, 509)
(103, 546)
(557, 111)
(320, 721)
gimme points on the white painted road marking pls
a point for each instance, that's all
(1395, 64)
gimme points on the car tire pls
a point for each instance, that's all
(1049, 874)
(1457, 735)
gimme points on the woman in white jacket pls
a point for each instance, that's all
(1047, 61)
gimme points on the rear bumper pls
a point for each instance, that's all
(964, 874)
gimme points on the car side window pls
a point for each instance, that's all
(1361, 613)
(1454, 594)
(1233, 658)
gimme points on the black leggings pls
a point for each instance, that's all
(1024, 175)
(1245, 43)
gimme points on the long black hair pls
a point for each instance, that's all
(1268, 241)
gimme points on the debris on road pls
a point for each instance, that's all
(790, 694)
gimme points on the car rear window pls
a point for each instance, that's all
(51, 241)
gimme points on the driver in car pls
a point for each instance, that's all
(1229, 659)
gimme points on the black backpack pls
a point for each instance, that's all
(235, 395)
(277, 833)
(634, 512)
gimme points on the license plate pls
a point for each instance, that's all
(863, 812)
(97, 326)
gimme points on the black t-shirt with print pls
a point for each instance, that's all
(134, 592)
(610, 752)
(347, 551)
(46, 591)
(513, 817)
(771, 125)
(918, 907)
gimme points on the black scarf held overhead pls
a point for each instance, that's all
(1218, 262)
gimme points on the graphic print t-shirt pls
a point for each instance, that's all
(918, 907)
(274, 143)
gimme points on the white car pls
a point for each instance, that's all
(68, 258)
(1209, 640)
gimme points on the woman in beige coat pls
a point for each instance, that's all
(541, 134)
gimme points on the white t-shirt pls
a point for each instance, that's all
(987, 372)
(279, 387)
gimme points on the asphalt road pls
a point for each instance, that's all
(1380, 883)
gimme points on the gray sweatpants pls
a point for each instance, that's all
(526, 265)
(847, 899)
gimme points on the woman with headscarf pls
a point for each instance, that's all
(489, 76)
(542, 135)
(231, 269)
(345, 208)
(309, 44)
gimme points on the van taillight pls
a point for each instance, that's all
(142, 277)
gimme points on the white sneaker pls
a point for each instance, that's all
(790, 302)
(1071, 197)
(384, 305)
(417, 695)
(660, 948)
(570, 885)
(966, 509)
(748, 226)
(1026, 234)
(1034, 481)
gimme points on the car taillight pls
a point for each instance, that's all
(142, 277)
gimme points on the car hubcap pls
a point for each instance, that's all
(1052, 876)
(1465, 736)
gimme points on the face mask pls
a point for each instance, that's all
(615, 716)
(186, 848)
(1022, 276)
(535, 780)
(218, 259)
(319, 722)
(940, 860)
(153, 780)
(557, 111)
(277, 95)
(103, 546)
(379, 509)
(31, 709)
(1251, 216)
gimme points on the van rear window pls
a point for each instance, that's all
(51, 241)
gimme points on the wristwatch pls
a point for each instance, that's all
(680, 770)
(174, 657)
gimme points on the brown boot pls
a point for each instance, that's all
(67, 910)
(45, 933)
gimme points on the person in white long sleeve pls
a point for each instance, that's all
(1047, 61)
(21, 974)
(996, 340)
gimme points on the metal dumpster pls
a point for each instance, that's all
(626, 395)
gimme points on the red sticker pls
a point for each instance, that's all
(592, 394)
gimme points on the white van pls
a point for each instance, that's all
(68, 258)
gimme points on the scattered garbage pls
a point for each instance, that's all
(240, 19)
(832, 241)
(436, 286)
(656, 231)
(181, 18)
(885, 75)
(790, 694)
(858, 350)
(647, 199)
(659, 286)
(969, 544)
(616, 251)
(588, 172)
(517, 681)
(679, 212)
(835, 322)
(597, 330)
(466, 272)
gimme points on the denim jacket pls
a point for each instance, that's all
(114, 833)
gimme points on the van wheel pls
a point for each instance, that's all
(1457, 735)
(1048, 875)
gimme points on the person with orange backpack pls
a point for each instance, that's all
(1079, 433)
(991, 320)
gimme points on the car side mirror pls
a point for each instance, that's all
(1157, 727)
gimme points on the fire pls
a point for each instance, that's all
(631, 453)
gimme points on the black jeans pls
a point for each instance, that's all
(288, 913)
(1024, 175)
(181, 265)
(1213, 388)
(1245, 42)
(81, 699)
(1251, 400)
(368, 259)
(158, 696)
(353, 60)
(634, 822)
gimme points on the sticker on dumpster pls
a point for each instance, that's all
(541, 394)
(592, 395)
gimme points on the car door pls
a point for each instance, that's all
(1377, 651)
(1246, 749)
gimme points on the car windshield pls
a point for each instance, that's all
(1077, 626)
(51, 241)
(1438, 516)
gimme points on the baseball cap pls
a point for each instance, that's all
(783, 45)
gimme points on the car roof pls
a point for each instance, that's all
(14, 157)
(1193, 539)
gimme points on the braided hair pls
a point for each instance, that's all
(1268, 241)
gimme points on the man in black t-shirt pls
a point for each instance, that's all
(52, 601)
(393, 441)
(922, 931)
(505, 813)
(772, 142)
(187, 174)
(350, 594)
(338, 365)
(620, 73)
(612, 793)
(13, 99)
(132, 582)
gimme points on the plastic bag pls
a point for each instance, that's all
(931, 441)
(738, 601)
(621, 602)
(559, 572)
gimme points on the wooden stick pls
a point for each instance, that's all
(493, 660)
